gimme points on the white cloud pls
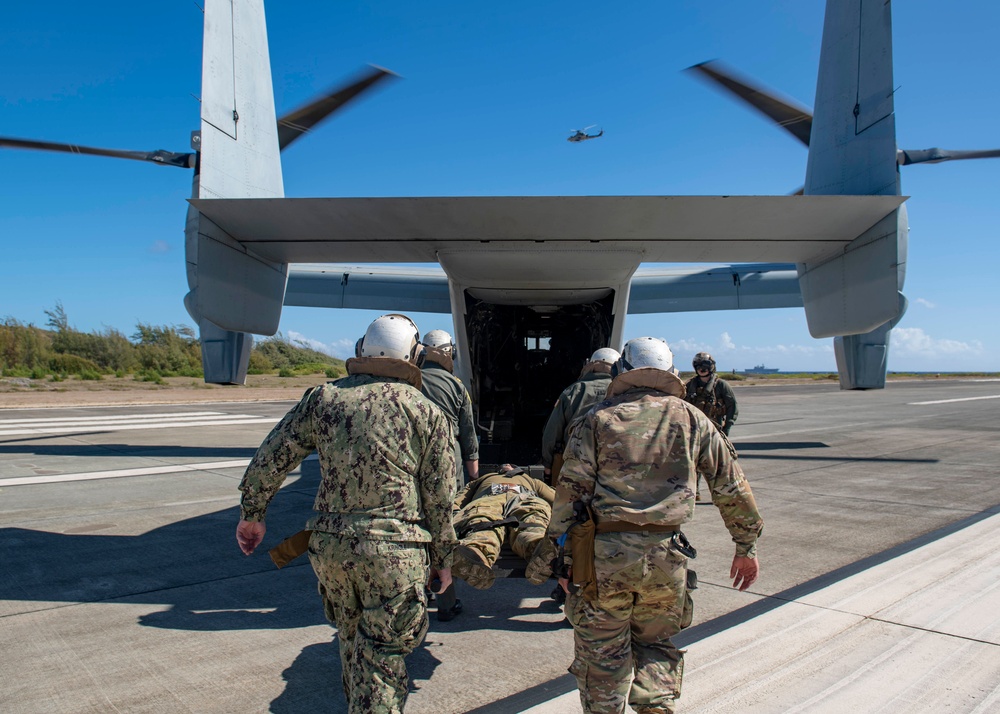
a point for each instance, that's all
(692, 346)
(727, 342)
(925, 303)
(159, 247)
(913, 341)
(341, 349)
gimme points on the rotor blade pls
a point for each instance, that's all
(935, 155)
(164, 158)
(797, 121)
(294, 124)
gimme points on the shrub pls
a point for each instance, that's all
(72, 364)
(23, 346)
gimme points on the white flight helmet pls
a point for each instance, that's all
(645, 352)
(606, 355)
(393, 335)
(441, 340)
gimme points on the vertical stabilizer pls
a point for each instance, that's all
(232, 291)
(852, 147)
(852, 151)
(239, 137)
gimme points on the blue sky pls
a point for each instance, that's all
(488, 95)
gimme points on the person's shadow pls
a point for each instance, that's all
(314, 678)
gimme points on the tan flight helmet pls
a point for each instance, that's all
(392, 336)
(702, 359)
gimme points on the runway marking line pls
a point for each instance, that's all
(127, 473)
(959, 399)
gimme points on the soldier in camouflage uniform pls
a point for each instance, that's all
(441, 386)
(577, 398)
(635, 459)
(510, 493)
(383, 509)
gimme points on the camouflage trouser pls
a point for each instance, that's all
(623, 648)
(373, 592)
(459, 468)
(532, 512)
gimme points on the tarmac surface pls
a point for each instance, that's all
(123, 589)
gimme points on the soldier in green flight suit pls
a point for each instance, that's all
(441, 386)
(577, 398)
(633, 462)
(382, 526)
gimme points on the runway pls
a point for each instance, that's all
(123, 589)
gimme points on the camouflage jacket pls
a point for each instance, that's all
(447, 391)
(385, 455)
(483, 486)
(636, 457)
(576, 399)
(715, 398)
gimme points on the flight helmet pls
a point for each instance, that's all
(440, 339)
(702, 359)
(392, 335)
(645, 352)
(606, 355)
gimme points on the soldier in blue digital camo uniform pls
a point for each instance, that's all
(383, 509)
(635, 458)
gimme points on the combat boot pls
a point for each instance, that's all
(471, 566)
(540, 565)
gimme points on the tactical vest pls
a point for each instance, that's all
(707, 399)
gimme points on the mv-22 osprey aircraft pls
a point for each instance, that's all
(534, 284)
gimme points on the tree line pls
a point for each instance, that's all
(151, 353)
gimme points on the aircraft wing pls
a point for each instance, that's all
(654, 289)
(675, 229)
(368, 287)
(543, 249)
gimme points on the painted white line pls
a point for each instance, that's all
(83, 419)
(963, 399)
(126, 473)
(88, 429)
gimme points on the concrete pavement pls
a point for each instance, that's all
(123, 589)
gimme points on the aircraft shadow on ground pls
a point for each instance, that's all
(118, 450)
(743, 448)
(839, 459)
(192, 566)
(778, 445)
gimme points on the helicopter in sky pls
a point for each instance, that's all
(582, 135)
